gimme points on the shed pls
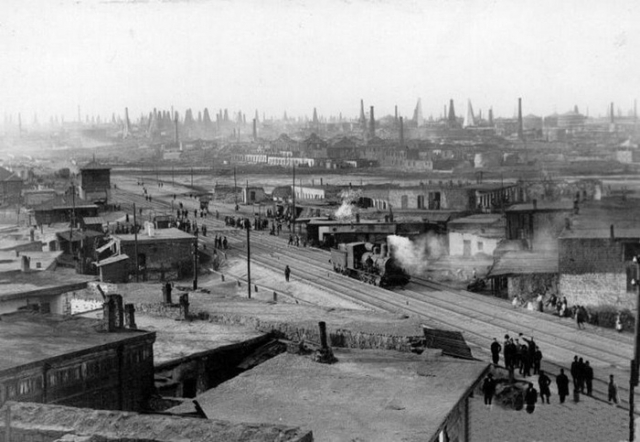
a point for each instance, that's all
(114, 269)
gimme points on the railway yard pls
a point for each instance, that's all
(480, 318)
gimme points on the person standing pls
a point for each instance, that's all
(613, 390)
(543, 384)
(588, 377)
(537, 359)
(287, 273)
(581, 367)
(489, 389)
(574, 371)
(495, 351)
(530, 398)
(562, 381)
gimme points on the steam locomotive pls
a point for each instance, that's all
(370, 263)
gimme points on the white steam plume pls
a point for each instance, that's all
(348, 210)
(413, 256)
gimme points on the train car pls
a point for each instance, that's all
(370, 263)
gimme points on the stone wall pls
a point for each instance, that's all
(590, 255)
(597, 289)
(528, 286)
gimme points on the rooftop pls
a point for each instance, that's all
(9, 261)
(32, 337)
(16, 285)
(376, 395)
(158, 235)
(94, 165)
(525, 262)
(542, 206)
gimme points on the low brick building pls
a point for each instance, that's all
(161, 252)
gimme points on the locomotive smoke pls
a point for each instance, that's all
(413, 255)
(348, 210)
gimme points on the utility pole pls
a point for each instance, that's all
(633, 378)
(235, 188)
(293, 205)
(195, 263)
(135, 242)
(248, 260)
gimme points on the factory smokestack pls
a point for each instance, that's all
(520, 127)
(401, 132)
(491, 117)
(612, 114)
(175, 128)
(255, 130)
(452, 112)
(362, 118)
(396, 117)
(372, 124)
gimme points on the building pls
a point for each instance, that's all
(317, 192)
(475, 234)
(538, 222)
(525, 274)
(75, 362)
(32, 198)
(11, 186)
(62, 209)
(596, 251)
(161, 252)
(253, 194)
(95, 183)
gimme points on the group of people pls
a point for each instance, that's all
(220, 242)
(522, 356)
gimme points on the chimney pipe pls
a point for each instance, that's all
(323, 335)
(255, 130)
(129, 314)
(401, 132)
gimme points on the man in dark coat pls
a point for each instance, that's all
(543, 384)
(562, 381)
(588, 377)
(530, 398)
(537, 359)
(495, 351)
(287, 273)
(580, 372)
(488, 388)
(574, 371)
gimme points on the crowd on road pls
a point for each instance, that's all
(524, 355)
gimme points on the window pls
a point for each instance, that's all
(480, 246)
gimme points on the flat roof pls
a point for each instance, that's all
(525, 263)
(16, 285)
(32, 337)
(542, 205)
(484, 218)
(367, 394)
(10, 262)
(158, 235)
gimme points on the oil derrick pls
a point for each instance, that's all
(417, 114)
(126, 130)
(372, 124)
(362, 120)
(469, 118)
(452, 114)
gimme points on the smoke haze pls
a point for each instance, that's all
(348, 210)
(413, 256)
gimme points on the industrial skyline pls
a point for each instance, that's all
(281, 57)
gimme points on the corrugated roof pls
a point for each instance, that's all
(525, 263)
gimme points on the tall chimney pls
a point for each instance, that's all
(396, 113)
(372, 124)
(25, 264)
(401, 132)
(109, 314)
(520, 127)
(490, 116)
(612, 114)
(452, 112)
(362, 118)
(255, 130)
(175, 120)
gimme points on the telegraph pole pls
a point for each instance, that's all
(249, 260)
(235, 188)
(195, 263)
(135, 242)
(293, 205)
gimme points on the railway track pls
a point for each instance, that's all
(480, 318)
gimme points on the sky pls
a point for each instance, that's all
(275, 56)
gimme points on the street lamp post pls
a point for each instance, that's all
(633, 379)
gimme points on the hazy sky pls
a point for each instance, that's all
(276, 55)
